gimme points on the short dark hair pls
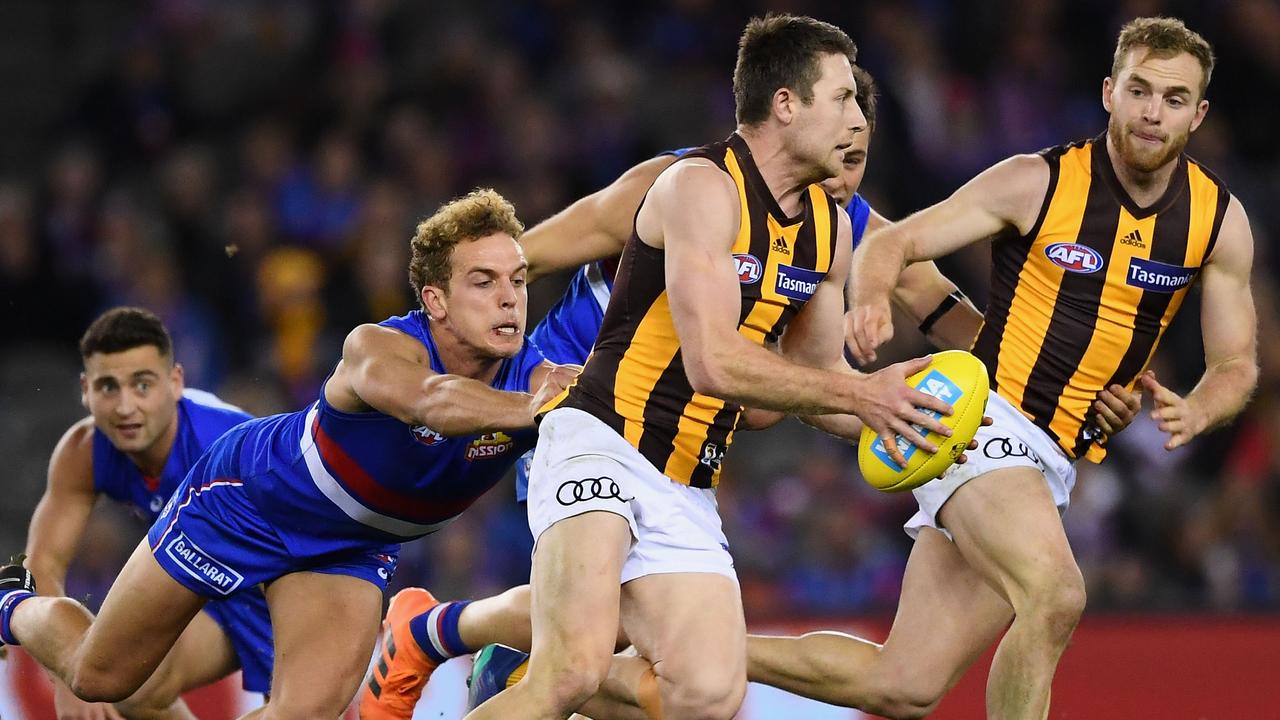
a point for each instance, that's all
(866, 96)
(778, 51)
(125, 328)
(1164, 37)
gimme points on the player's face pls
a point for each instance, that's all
(825, 129)
(1155, 105)
(486, 301)
(132, 395)
(852, 169)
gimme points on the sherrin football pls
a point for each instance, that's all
(955, 377)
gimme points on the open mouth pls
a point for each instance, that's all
(507, 329)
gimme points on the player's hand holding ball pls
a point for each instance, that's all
(899, 461)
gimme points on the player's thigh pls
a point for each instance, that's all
(577, 570)
(202, 655)
(325, 626)
(691, 627)
(141, 618)
(947, 616)
(1007, 527)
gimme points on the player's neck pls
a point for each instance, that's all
(461, 359)
(1144, 188)
(151, 461)
(787, 179)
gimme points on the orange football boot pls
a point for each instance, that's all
(396, 681)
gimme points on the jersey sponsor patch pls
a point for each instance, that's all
(935, 384)
(1074, 257)
(490, 445)
(797, 283)
(197, 563)
(748, 268)
(1158, 276)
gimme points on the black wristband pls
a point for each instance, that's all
(947, 303)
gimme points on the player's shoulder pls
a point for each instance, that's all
(207, 401)
(372, 339)
(80, 434)
(74, 451)
(696, 176)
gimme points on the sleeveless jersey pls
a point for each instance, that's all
(1081, 301)
(202, 418)
(359, 477)
(569, 330)
(635, 381)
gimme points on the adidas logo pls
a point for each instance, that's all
(780, 246)
(1134, 238)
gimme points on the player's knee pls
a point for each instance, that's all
(95, 684)
(567, 685)
(906, 695)
(706, 694)
(1057, 604)
(910, 704)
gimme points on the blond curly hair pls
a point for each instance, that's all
(482, 212)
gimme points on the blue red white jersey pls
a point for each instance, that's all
(360, 477)
(202, 418)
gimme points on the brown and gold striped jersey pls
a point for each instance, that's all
(1081, 301)
(635, 379)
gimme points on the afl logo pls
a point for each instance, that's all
(426, 435)
(1074, 258)
(748, 268)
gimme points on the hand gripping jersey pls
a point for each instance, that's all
(370, 476)
(327, 491)
(1081, 301)
(634, 380)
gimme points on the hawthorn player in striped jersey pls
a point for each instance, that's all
(1096, 244)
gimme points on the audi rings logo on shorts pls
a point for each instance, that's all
(600, 488)
(999, 448)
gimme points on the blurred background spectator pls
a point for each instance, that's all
(252, 172)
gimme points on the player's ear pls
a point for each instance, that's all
(1201, 109)
(434, 302)
(84, 391)
(1107, 86)
(178, 378)
(783, 105)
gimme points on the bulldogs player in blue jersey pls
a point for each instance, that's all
(599, 225)
(143, 433)
(422, 415)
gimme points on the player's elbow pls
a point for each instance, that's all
(706, 374)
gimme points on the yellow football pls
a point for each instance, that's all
(959, 379)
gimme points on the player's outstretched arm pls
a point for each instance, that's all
(63, 511)
(593, 228)
(950, 321)
(1230, 328)
(385, 370)
(1009, 194)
